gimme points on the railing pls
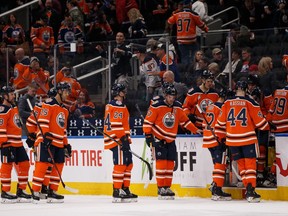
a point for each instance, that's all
(225, 10)
(19, 8)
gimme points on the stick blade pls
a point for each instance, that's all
(72, 190)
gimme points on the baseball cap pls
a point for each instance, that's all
(34, 58)
(216, 50)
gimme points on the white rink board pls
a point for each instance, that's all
(91, 163)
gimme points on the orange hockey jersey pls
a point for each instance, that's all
(278, 112)
(212, 112)
(116, 123)
(19, 82)
(42, 38)
(237, 121)
(187, 21)
(162, 121)
(10, 127)
(203, 99)
(53, 119)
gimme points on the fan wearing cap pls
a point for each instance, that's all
(217, 57)
(160, 127)
(201, 96)
(37, 75)
(239, 118)
(186, 21)
(12, 150)
(53, 135)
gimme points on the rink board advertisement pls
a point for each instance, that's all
(91, 163)
(282, 159)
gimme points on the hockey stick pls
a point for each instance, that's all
(152, 159)
(103, 133)
(72, 190)
(219, 143)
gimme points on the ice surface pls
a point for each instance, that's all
(146, 206)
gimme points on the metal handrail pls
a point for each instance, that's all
(93, 73)
(229, 8)
(19, 8)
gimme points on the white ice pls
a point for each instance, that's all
(146, 206)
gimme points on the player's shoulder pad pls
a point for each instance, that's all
(252, 101)
(218, 104)
(177, 104)
(4, 108)
(194, 90)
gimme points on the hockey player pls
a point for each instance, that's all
(160, 127)
(12, 150)
(51, 138)
(116, 125)
(202, 96)
(239, 118)
(216, 148)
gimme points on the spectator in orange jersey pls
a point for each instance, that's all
(216, 148)
(65, 75)
(160, 127)
(42, 37)
(37, 75)
(117, 126)
(19, 69)
(239, 118)
(12, 150)
(13, 33)
(83, 107)
(187, 21)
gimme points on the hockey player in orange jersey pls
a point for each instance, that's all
(160, 127)
(116, 125)
(239, 118)
(12, 150)
(202, 96)
(215, 147)
(52, 135)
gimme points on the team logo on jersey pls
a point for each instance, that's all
(69, 37)
(16, 121)
(46, 36)
(205, 103)
(169, 120)
(149, 113)
(60, 119)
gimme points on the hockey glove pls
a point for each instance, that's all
(68, 150)
(7, 150)
(31, 140)
(150, 140)
(125, 147)
(47, 139)
(192, 118)
(272, 126)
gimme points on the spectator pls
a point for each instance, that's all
(217, 57)
(13, 33)
(280, 18)
(75, 13)
(24, 109)
(236, 62)
(83, 107)
(65, 75)
(138, 27)
(186, 34)
(37, 75)
(70, 33)
(251, 14)
(42, 37)
(19, 69)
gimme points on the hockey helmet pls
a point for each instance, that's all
(243, 85)
(52, 92)
(63, 86)
(256, 92)
(206, 74)
(167, 84)
(117, 88)
(253, 79)
(170, 91)
(222, 93)
(7, 89)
